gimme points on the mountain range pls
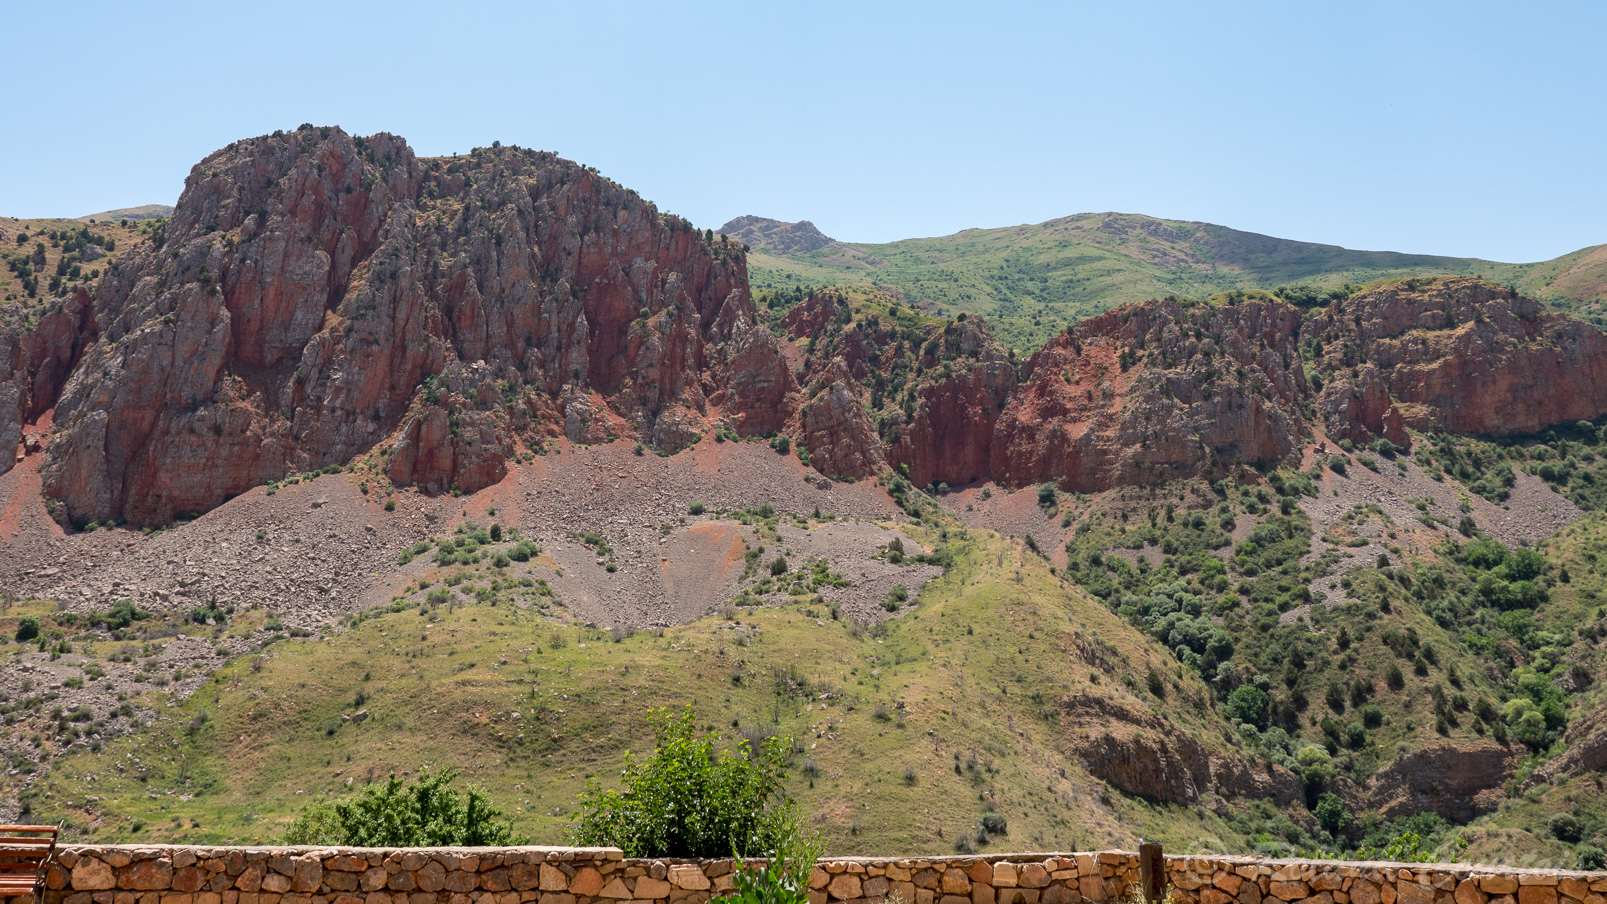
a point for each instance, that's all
(362, 462)
(1029, 280)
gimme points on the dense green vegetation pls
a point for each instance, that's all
(688, 799)
(426, 812)
(1466, 641)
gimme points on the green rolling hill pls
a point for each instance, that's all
(1031, 280)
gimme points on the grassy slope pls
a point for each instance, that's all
(142, 212)
(966, 663)
(1032, 280)
(126, 236)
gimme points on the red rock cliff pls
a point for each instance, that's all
(1463, 355)
(316, 293)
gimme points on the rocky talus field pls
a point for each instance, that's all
(363, 462)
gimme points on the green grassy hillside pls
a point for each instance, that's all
(906, 733)
(1030, 281)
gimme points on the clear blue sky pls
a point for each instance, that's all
(1457, 128)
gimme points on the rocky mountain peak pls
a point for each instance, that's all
(776, 236)
(318, 296)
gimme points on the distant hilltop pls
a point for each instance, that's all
(776, 236)
(142, 212)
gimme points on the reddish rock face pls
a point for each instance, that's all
(835, 428)
(1361, 410)
(316, 297)
(316, 294)
(1461, 355)
(1155, 392)
(1457, 781)
(950, 439)
(35, 363)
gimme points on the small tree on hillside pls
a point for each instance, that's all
(685, 799)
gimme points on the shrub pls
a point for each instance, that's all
(27, 628)
(994, 824)
(696, 508)
(1565, 827)
(778, 566)
(784, 879)
(1336, 464)
(1248, 704)
(782, 444)
(1590, 858)
(1332, 814)
(686, 800)
(1394, 678)
(426, 813)
(1372, 716)
(1315, 766)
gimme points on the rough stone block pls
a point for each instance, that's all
(1467, 892)
(587, 881)
(845, 887)
(648, 887)
(93, 875)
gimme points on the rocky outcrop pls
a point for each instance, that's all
(1462, 355)
(1585, 751)
(808, 317)
(1361, 410)
(1457, 781)
(1140, 754)
(35, 362)
(776, 236)
(1156, 392)
(316, 295)
(950, 439)
(834, 427)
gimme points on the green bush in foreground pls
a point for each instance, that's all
(426, 813)
(784, 879)
(687, 800)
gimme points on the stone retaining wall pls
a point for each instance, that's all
(534, 875)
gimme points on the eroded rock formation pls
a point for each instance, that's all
(317, 297)
(1462, 355)
(315, 294)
